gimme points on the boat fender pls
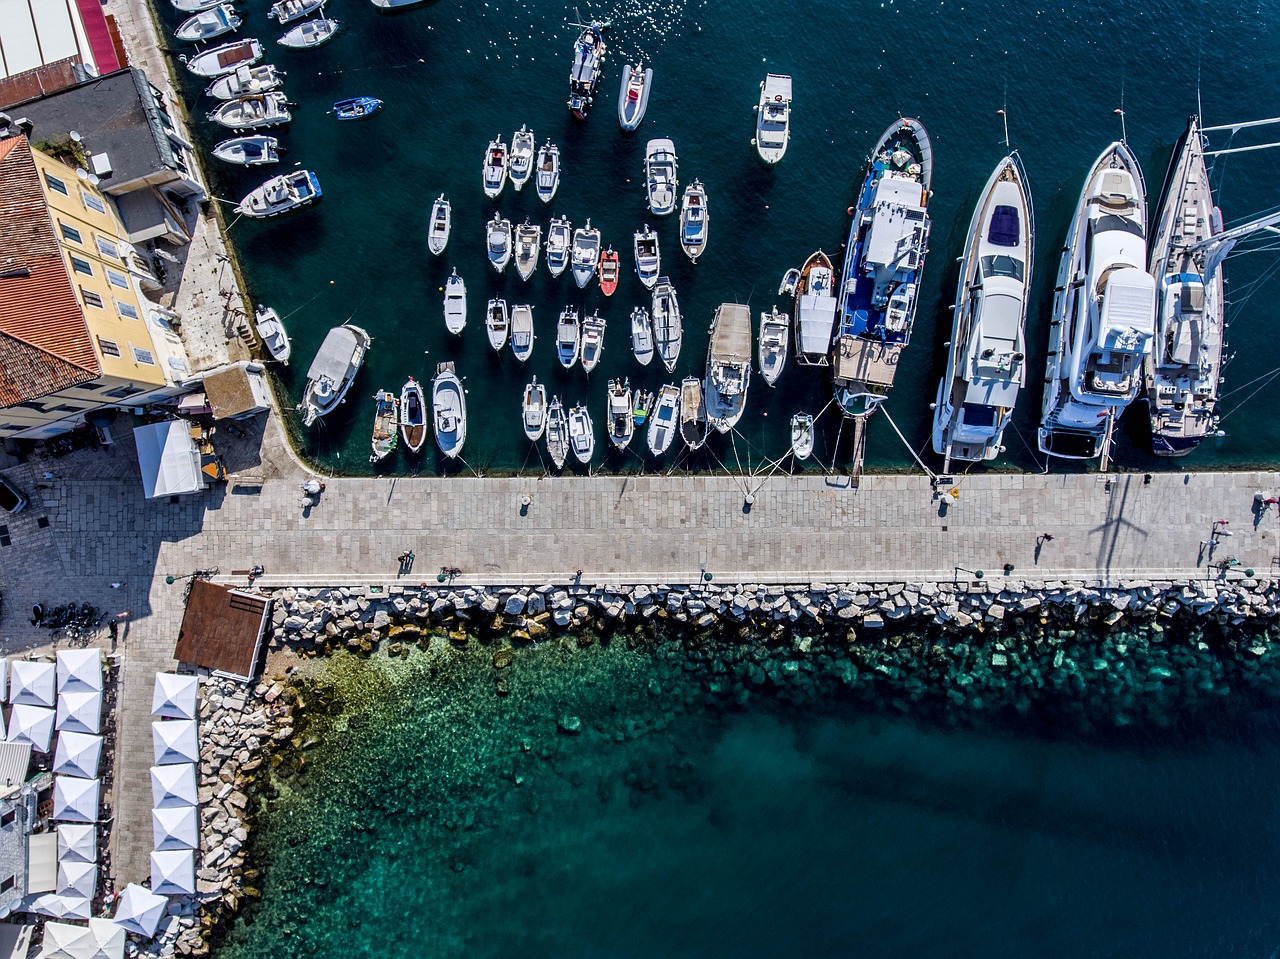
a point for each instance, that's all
(849, 211)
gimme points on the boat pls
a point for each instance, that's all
(660, 176)
(495, 168)
(986, 357)
(208, 24)
(356, 108)
(773, 118)
(498, 242)
(521, 161)
(310, 34)
(497, 323)
(585, 254)
(455, 303)
(621, 423)
(396, 4)
(608, 272)
(775, 338)
(633, 97)
(547, 176)
(883, 260)
(694, 221)
(802, 436)
(582, 434)
(568, 337)
(533, 410)
(668, 328)
(588, 61)
(641, 336)
(281, 194)
(693, 413)
(193, 6)
(557, 433)
(815, 310)
(641, 404)
(728, 365)
(441, 221)
(592, 341)
(257, 150)
(664, 420)
(522, 331)
(1103, 315)
(790, 280)
(273, 334)
(559, 240)
(413, 415)
(253, 113)
(648, 257)
(332, 371)
(528, 243)
(448, 410)
(385, 434)
(246, 81)
(287, 11)
(228, 58)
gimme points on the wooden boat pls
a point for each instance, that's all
(608, 272)
(522, 331)
(648, 258)
(815, 311)
(586, 253)
(668, 329)
(660, 176)
(557, 433)
(521, 163)
(694, 221)
(227, 58)
(802, 435)
(273, 334)
(582, 434)
(641, 336)
(253, 113)
(547, 179)
(498, 242)
(281, 194)
(246, 81)
(413, 415)
(441, 221)
(559, 239)
(728, 366)
(790, 280)
(693, 413)
(528, 244)
(664, 420)
(568, 337)
(633, 97)
(208, 24)
(534, 410)
(449, 411)
(257, 150)
(775, 337)
(455, 303)
(773, 118)
(356, 108)
(287, 11)
(385, 435)
(310, 34)
(497, 323)
(592, 341)
(333, 370)
(495, 168)
(621, 422)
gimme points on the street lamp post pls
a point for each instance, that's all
(975, 573)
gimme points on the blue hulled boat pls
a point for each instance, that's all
(357, 108)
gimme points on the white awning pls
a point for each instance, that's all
(169, 459)
(173, 872)
(173, 785)
(42, 862)
(32, 683)
(139, 910)
(33, 725)
(80, 711)
(77, 878)
(77, 841)
(75, 800)
(102, 940)
(60, 907)
(80, 669)
(175, 741)
(77, 754)
(174, 696)
(175, 828)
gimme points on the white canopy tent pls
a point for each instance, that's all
(32, 725)
(77, 878)
(80, 711)
(77, 754)
(173, 872)
(175, 741)
(169, 459)
(139, 910)
(31, 683)
(102, 940)
(175, 696)
(175, 828)
(173, 785)
(77, 842)
(61, 907)
(80, 669)
(75, 800)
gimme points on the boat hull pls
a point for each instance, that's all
(413, 415)
(633, 97)
(449, 411)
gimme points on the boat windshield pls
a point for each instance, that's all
(1003, 265)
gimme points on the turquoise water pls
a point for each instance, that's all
(454, 76)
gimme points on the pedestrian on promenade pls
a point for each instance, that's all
(1046, 537)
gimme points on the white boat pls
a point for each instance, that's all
(790, 280)
(633, 97)
(227, 58)
(246, 81)
(441, 222)
(621, 422)
(815, 311)
(568, 337)
(1103, 316)
(332, 371)
(413, 415)
(641, 336)
(588, 61)
(455, 303)
(557, 433)
(253, 113)
(694, 221)
(281, 194)
(664, 420)
(449, 411)
(648, 257)
(287, 11)
(273, 334)
(586, 253)
(533, 410)
(521, 162)
(310, 34)
(495, 168)
(582, 434)
(693, 413)
(385, 421)
(728, 365)
(773, 118)
(592, 341)
(258, 150)
(498, 242)
(209, 24)
(193, 6)
(802, 435)
(497, 323)
(559, 241)
(547, 175)
(528, 245)
(775, 338)
(396, 4)
(668, 327)
(660, 178)
(522, 331)
(987, 359)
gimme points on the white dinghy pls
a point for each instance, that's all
(273, 334)
(633, 97)
(802, 435)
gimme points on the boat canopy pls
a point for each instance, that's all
(333, 362)
(168, 458)
(1128, 309)
(731, 338)
(777, 87)
(817, 315)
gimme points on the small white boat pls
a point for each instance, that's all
(728, 366)
(664, 420)
(648, 257)
(449, 411)
(395, 4)
(310, 34)
(193, 6)
(528, 244)
(559, 240)
(522, 331)
(495, 168)
(586, 253)
(273, 334)
(694, 220)
(281, 194)
(521, 163)
(547, 179)
(497, 323)
(253, 113)
(775, 337)
(385, 420)
(668, 328)
(287, 11)
(633, 98)
(660, 176)
(592, 341)
(333, 370)
(455, 303)
(815, 311)
(441, 221)
(227, 58)
(413, 415)
(621, 423)
(773, 118)
(246, 81)
(790, 280)
(209, 24)
(258, 150)
(533, 410)
(641, 336)
(557, 433)
(802, 435)
(693, 413)
(582, 434)
(568, 337)
(498, 242)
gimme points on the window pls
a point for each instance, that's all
(56, 184)
(81, 265)
(122, 392)
(143, 356)
(127, 310)
(116, 278)
(70, 232)
(92, 202)
(30, 405)
(91, 298)
(67, 408)
(9, 818)
(108, 347)
(7, 884)
(108, 248)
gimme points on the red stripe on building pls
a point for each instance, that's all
(95, 27)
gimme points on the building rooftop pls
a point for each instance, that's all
(33, 34)
(222, 629)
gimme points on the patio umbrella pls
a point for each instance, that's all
(75, 800)
(78, 842)
(31, 683)
(175, 742)
(32, 725)
(77, 878)
(173, 872)
(80, 669)
(173, 785)
(107, 939)
(80, 710)
(139, 910)
(175, 828)
(77, 755)
(61, 907)
(174, 696)
(63, 941)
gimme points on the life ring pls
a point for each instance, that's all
(778, 98)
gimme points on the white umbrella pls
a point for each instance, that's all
(62, 941)
(33, 725)
(174, 696)
(173, 872)
(75, 800)
(80, 669)
(175, 828)
(107, 939)
(77, 842)
(77, 879)
(175, 742)
(77, 755)
(173, 785)
(80, 710)
(140, 910)
(31, 683)
(4, 680)
(60, 907)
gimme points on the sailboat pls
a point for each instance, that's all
(385, 435)
(522, 331)
(728, 365)
(621, 421)
(668, 330)
(568, 337)
(775, 336)
(438, 230)
(413, 415)
(557, 433)
(497, 323)
(533, 410)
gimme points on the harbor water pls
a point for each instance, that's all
(455, 76)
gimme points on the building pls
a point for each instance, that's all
(223, 629)
(33, 35)
(24, 855)
(76, 334)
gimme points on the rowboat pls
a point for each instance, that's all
(413, 415)
(356, 108)
(385, 435)
(664, 420)
(438, 230)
